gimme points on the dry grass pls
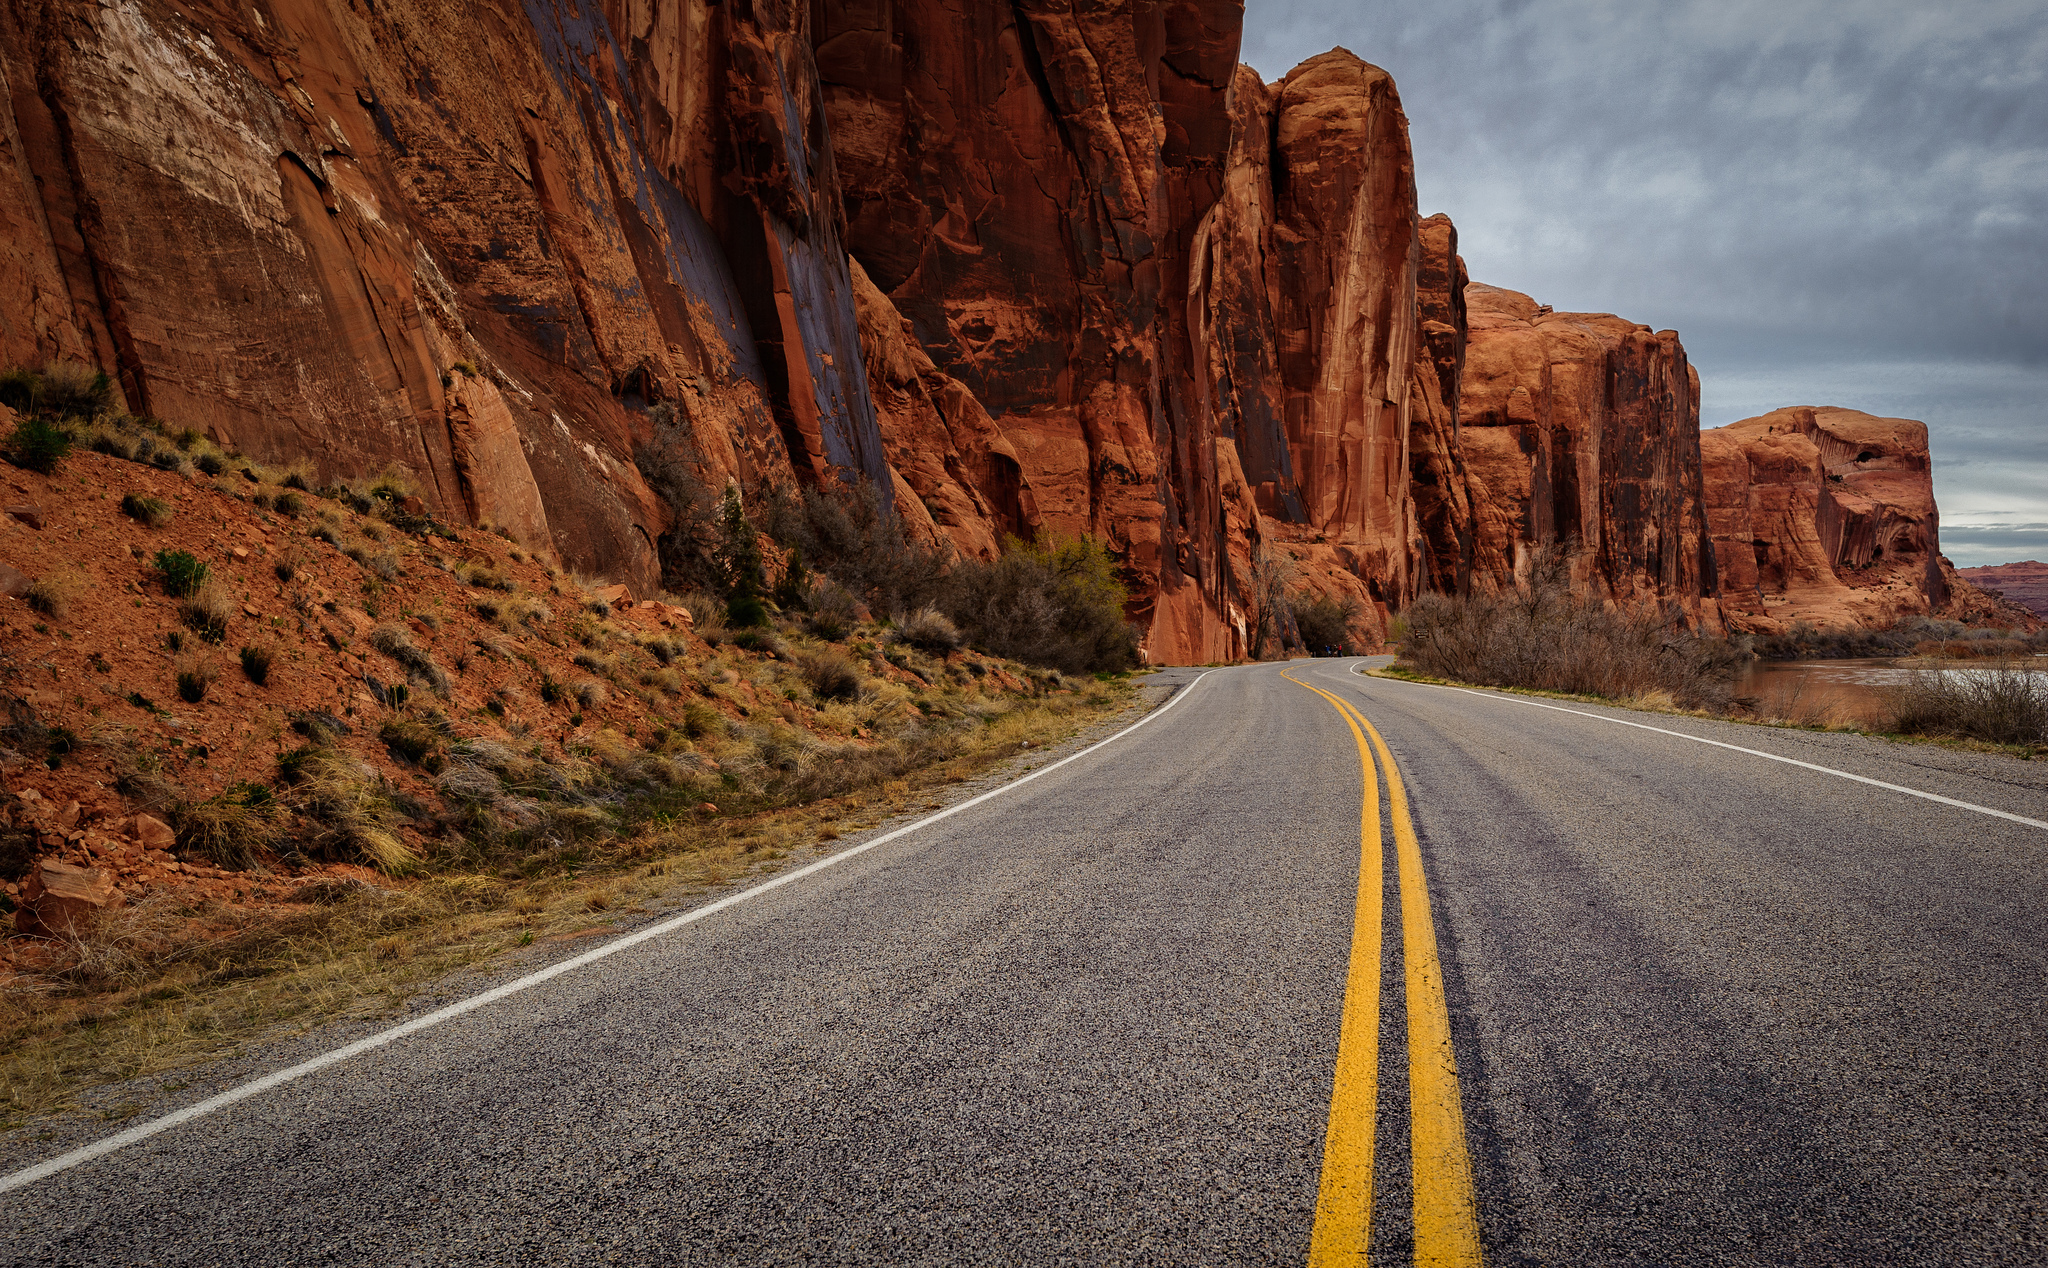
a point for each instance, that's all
(159, 987)
(2002, 704)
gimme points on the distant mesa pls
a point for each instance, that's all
(2023, 584)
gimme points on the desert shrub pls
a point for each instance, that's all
(172, 461)
(65, 389)
(591, 693)
(347, 810)
(114, 445)
(285, 570)
(551, 689)
(760, 641)
(72, 390)
(154, 512)
(851, 533)
(181, 572)
(1324, 620)
(38, 445)
(231, 830)
(830, 610)
(394, 641)
(51, 595)
(208, 612)
(1999, 704)
(830, 675)
(928, 630)
(701, 720)
(673, 467)
(194, 675)
(415, 741)
(210, 463)
(256, 664)
(289, 505)
(1914, 635)
(1544, 636)
(1057, 604)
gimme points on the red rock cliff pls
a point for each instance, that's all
(1825, 516)
(285, 225)
(1030, 267)
(1583, 429)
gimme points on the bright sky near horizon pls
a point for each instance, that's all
(1833, 203)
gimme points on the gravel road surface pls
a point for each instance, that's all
(1707, 1009)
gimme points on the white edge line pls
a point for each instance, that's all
(242, 1092)
(1753, 752)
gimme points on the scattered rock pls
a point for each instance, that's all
(14, 583)
(27, 514)
(59, 899)
(154, 833)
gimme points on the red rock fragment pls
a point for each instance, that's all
(27, 514)
(61, 898)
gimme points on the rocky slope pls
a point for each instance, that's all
(424, 693)
(2023, 584)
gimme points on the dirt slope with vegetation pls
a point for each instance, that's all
(235, 706)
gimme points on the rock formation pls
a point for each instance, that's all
(1825, 516)
(1582, 429)
(1030, 268)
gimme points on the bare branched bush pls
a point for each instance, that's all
(2002, 704)
(1543, 636)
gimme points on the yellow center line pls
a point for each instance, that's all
(1344, 1198)
(1446, 1209)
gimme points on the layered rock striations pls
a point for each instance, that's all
(1824, 516)
(2024, 584)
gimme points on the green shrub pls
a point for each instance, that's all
(39, 445)
(739, 559)
(1324, 621)
(181, 572)
(154, 512)
(289, 505)
(1057, 604)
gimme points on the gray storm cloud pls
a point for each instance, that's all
(1841, 204)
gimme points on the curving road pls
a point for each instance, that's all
(1703, 1007)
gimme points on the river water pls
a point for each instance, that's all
(1842, 692)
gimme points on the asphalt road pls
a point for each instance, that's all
(1706, 1008)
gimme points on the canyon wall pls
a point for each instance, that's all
(1033, 269)
(286, 226)
(1582, 429)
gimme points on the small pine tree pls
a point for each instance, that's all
(739, 558)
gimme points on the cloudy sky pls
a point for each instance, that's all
(1836, 203)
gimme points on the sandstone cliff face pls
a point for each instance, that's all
(284, 226)
(1032, 268)
(1583, 429)
(1825, 516)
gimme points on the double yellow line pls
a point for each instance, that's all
(1445, 1210)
